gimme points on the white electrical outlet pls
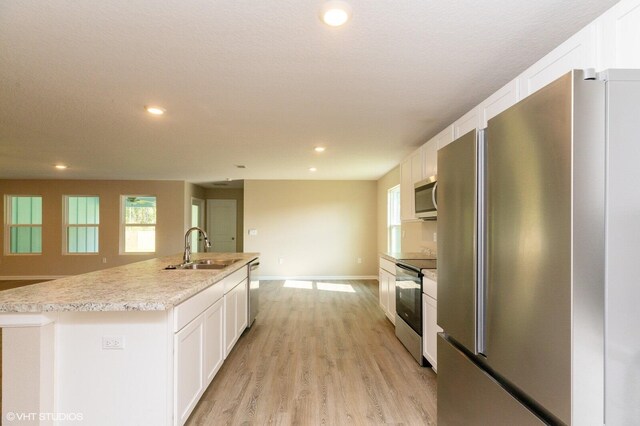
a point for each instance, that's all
(253, 232)
(359, 260)
(112, 342)
(435, 237)
(281, 261)
(104, 260)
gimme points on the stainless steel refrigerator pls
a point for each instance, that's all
(537, 217)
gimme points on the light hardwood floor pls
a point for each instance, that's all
(319, 357)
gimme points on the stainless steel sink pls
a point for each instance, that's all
(204, 264)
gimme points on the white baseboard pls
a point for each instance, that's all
(317, 277)
(30, 277)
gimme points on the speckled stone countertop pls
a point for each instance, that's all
(429, 273)
(140, 286)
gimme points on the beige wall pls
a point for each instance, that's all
(231, 194)
(318, 228)
(191, 191)
(386, 182)
(169, 229)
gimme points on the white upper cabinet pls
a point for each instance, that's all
(621, 35)
(467, 123)
(445, 137)
(410, 172)
(499, 101)
(577, 52)
(430, 158)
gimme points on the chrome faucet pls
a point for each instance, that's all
(186, 257)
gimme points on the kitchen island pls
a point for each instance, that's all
(135, 344)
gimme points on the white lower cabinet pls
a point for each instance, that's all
(235, 311)
(199, 354)
(430, 330)
(188, 368)
(213, 340)
(206, 327)
(387, 288)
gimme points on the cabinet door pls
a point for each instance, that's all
(230, 325)
(406, 191)
(241, 303)
(507, 96)
(621, 32)
(468, 122)
(382, 289)
(417, 172)
(188, 368)
(425, 328)
(213, 340)
(431, 330)
(445, 137)
(391, 285)
(430, 158)
(577, 52)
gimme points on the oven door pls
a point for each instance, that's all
(409, 296)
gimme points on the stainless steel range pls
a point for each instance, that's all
(409, 304)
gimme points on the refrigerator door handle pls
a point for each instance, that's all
(480, 246)
(433, 195)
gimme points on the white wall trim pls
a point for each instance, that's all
(318, 277)
(30, 277)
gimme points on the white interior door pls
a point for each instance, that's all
(221, 225)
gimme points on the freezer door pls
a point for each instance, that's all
(457, 208)
(467, 395)
(529, 166)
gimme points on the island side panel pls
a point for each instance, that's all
(128, 386)
(28, 374)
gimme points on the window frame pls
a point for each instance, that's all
(391, 226)
(124, 225)
(66, 225)
(8, 206)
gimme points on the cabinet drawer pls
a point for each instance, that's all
(232, 280)
(387, 265)
(185, 312)
(430, 287)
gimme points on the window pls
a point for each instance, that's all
(82, 217)
(24, 223)
(139, 224)
(393, 219)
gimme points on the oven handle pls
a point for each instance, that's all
(407, 268)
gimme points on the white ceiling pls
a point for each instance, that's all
(253, 82)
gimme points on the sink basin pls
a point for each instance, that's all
(201, 266)
(204, 264)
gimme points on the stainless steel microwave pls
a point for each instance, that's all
(426, 198)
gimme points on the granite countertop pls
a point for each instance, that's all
(429, 273)
(140, 286)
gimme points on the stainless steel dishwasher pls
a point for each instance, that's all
(254, 292)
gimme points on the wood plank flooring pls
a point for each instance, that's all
(315, 357)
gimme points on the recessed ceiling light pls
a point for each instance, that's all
(335, 13)
(155, 110)
(312, 169)
(319, 149)
(60, 166)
